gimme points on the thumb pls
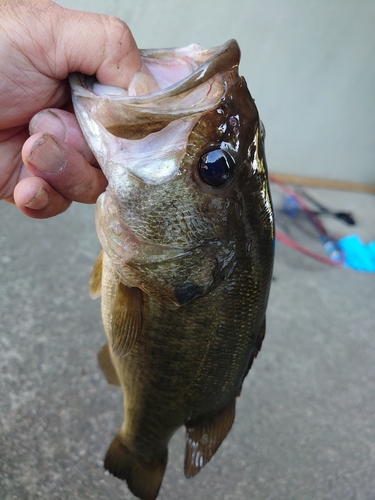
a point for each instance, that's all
(101, 45)
(81, 41)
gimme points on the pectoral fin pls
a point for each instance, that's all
(96, 277)
(106, 365)
(203, 440)
(126, 319)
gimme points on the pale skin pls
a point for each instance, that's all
(45, 163)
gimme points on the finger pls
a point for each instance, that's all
(89, 43)
(63, 168)
(11, 142)
(64, 126)
(116, 56)
(37, 199)
(63, 41)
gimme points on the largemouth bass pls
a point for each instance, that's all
(186, 227)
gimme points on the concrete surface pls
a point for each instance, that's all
(305, 425)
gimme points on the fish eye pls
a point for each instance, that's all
(215, 167)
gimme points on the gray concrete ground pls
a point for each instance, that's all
(305, 425)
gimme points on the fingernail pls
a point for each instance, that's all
(46, 155)
(39, 201)
(48, 121)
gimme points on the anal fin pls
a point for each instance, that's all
(203, 440)
(96, 277)
(143, 479)
(106, 365)
(126, 319)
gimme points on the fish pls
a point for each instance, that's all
(187, 233)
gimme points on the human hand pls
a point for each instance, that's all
(40, 44)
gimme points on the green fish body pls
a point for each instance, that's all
(186, 226)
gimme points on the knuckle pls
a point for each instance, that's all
(118, 32)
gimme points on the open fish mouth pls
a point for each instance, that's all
(166, 73)
(173, 84)
(169, 95)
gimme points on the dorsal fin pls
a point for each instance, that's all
(126, 319)
(96, 277)
(203, 440)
